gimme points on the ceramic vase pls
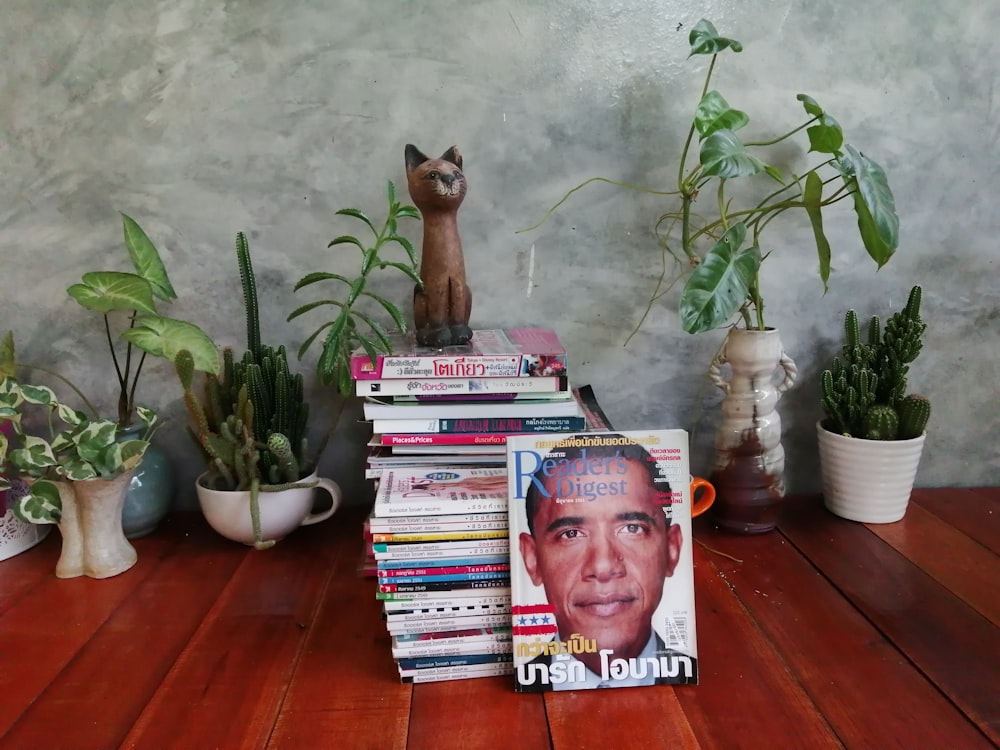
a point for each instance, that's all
(94, 543)
(867, 480)
(151, 490)
(748, 462)
(281, 511)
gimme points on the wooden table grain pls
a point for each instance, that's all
(824, 633)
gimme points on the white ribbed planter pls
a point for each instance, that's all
(867, 480)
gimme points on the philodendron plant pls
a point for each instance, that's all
(353, 328)
(720, 241)
(76, 449)
(129, 299)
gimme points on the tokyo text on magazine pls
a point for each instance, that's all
(493, 353)
(602, 583)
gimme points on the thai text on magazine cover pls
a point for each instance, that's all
(602, 585)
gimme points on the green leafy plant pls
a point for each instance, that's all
(863, 394)
(720, 248)
(353, 329)
(77, 447)
(133, 296)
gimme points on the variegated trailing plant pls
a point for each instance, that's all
(77, 448)
(353, 328)
(126, 300)
(720, 248)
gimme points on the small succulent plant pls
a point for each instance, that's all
(864, 393)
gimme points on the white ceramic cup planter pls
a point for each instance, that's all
(867, 480)
(281, 512)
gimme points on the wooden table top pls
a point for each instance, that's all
(826, 633)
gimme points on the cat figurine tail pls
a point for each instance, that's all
(441, 310)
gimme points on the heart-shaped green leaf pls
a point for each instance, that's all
(724, 155)
(165, 337)
(718, 287)
(812, 196)
(714, 113)
(105, 291)
(146, 259)
(705, 40)
(42, 504)
(874, 204)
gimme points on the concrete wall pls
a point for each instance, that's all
(200, 119)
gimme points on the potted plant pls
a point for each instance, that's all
(353, 328)
(250, 420)
(873, 434)
(121, 298)
(717, 246)
(75, 477)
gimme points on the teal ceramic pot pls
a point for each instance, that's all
(150, 492)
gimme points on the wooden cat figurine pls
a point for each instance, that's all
(441, 310)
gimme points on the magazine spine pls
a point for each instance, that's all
(439, 573)
(480, 583)
(417, 598)
(461, 660)
(454, 673)
(460, 386)
(441, 536)
(485, 431)
(396, 524)
(442, 562)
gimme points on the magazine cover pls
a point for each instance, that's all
(602, 584)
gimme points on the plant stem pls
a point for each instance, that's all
(690, 135)
(780, 138)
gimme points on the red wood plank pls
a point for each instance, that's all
(649, 717)
(960, 564)
(346, 691)
(736, 657)
(954, 646)
(26, 571)
(974, 512)
(227, 685)
(50, 625)
(482, 712)
(123, 664)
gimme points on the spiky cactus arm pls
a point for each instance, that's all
(901, 344)
(284, 459)
(914, 412)
(249, 295)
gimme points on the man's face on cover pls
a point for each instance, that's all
(603, 562)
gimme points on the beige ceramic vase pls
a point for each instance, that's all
(94, 543)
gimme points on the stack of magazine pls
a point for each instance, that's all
(437, 536)
(443, 567)
(456, 406)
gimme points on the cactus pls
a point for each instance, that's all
(914, 411)
(251, 422)
(858, 392)
(881, 423)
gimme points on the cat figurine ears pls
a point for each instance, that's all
(415, 157)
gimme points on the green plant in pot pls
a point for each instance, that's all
(250, 419)
(873, 433)
(712, 238)
(354, 328)
(75, 476)
(123, 299)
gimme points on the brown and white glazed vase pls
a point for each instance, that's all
(749, 462)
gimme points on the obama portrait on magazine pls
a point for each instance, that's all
(603, 563)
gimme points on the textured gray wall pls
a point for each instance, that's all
(203, 118)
